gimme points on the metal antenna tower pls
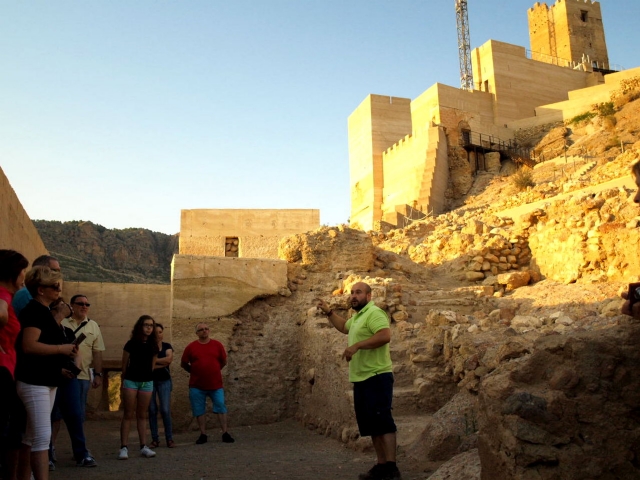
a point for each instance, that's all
(464, 45)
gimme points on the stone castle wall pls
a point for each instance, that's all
(391, 158)
(580, 101)
(563, 33)
(256, 231)
(17, 232)
(520, 84)
(377, 123)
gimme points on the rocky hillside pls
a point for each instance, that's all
(93, 253)
(510, 351)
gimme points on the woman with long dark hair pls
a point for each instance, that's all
(13, 268)
(138, 361)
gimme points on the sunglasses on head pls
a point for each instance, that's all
(82, 304)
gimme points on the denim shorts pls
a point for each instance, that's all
(140, 386)
(372, 400)
(198, 399)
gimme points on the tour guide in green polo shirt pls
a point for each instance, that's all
(370, 370)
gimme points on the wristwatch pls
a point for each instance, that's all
(96, 374)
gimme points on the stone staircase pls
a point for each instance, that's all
(584, 169)
(435, 161)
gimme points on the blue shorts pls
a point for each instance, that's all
(198, 399)
(372, 400)
(140, 386)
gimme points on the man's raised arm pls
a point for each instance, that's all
(335, 319)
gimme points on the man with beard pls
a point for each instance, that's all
(370, 371)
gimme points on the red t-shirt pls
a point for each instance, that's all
(8, 334)
(206, 360)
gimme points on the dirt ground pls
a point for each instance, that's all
(278, 451)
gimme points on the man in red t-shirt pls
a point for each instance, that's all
(204, 359)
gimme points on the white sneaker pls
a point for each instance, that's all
(124, 453)
(147, 452)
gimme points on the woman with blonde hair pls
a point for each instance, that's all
(43, 354)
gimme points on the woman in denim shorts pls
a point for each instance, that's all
(138, 360)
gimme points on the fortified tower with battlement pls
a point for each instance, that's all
(568, 33)
(409, 159)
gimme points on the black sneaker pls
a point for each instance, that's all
(377, 472)
(226, 438)
(392, 473)
(201, 439)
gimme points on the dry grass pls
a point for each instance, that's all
(522, 179)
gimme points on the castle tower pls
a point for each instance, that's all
(568, 32)
(377, 123)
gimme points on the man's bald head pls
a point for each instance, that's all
(360, 295)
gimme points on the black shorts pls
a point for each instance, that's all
(372, 400)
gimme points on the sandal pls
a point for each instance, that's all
(154, 444)
(171, 444)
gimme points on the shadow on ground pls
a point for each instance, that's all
(278, 451)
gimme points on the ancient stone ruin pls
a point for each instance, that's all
(511, 357)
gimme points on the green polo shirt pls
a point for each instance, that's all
(363, 325)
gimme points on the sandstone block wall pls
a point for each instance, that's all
(521, 84)
(566, 31)
(377, 123)
(580, 101)
(212, 289)
(17, 232)
(258, 231)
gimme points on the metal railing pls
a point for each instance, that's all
(510, 148)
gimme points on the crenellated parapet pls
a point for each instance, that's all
(568, 32)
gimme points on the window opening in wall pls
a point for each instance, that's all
(486, 85)
(231, 246)
(584, 15)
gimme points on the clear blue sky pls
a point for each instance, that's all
(126, 112)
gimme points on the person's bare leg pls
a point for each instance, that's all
(24, 462)
(40, 464)
(129, 406)
(202, 423)
(142, 416)
(55, 429)
(222, 417)
(389, 441)
(380, 448)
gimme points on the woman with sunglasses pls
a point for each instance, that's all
(138, 361)
(42, 354)
(13, 267)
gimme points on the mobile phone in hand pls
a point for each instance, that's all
(79, 339)
(634, 293)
